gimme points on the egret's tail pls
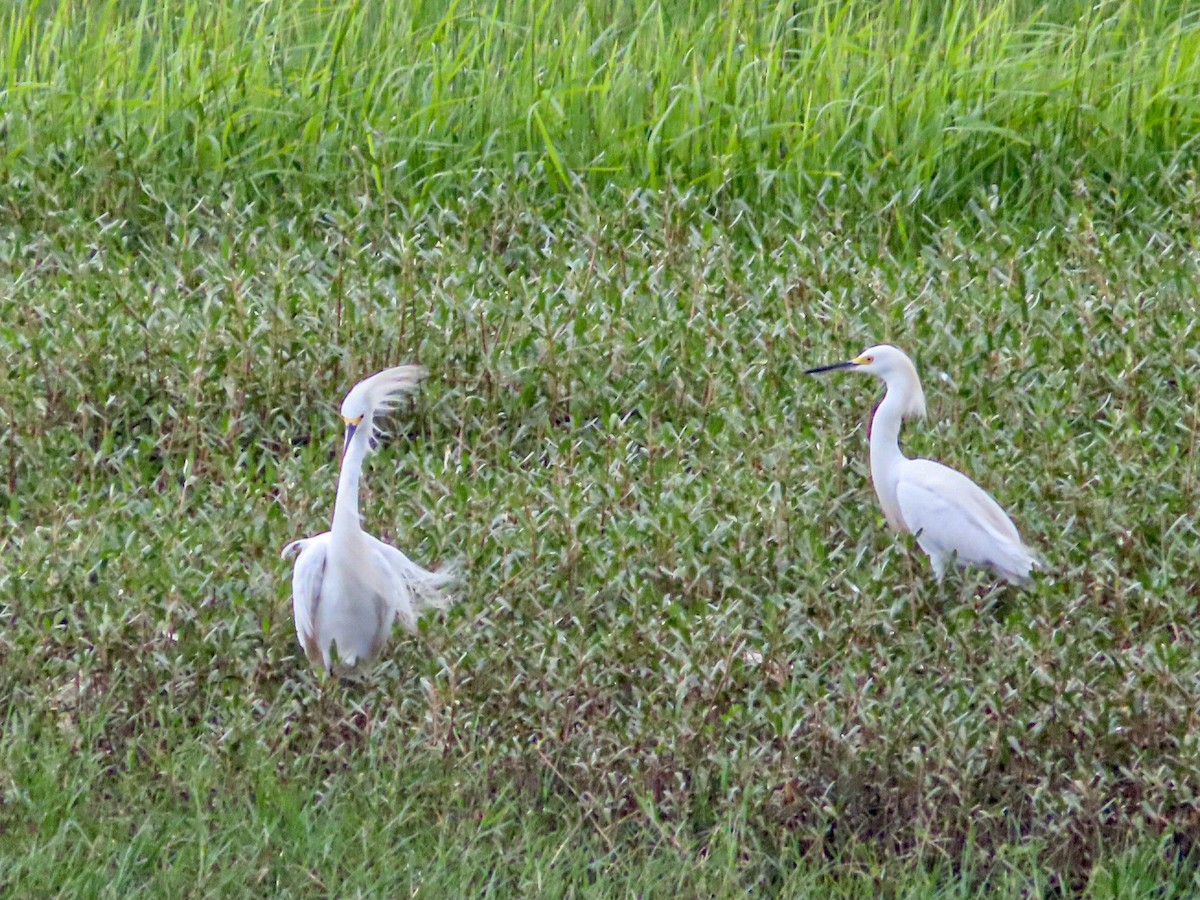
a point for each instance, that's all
(1018, 564)
(430, 590)
(416, 589)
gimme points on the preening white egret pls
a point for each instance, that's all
(349, 587)
(951, 516)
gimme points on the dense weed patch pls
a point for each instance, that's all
(683, 615)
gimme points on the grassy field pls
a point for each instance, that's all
(687, 658)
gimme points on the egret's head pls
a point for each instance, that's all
(894, 367)
(883, 360)
(375, 395)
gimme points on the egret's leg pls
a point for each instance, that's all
(938, 561)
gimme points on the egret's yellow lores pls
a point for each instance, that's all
(951, 516)
(349, 587)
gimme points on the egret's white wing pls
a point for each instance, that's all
(414, 589)
(965, 493)
(307, 577)
(951, 514)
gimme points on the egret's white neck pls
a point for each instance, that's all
(345, 505)
(904, 398)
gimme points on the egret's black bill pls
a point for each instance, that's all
(841, 365)
(350, 428)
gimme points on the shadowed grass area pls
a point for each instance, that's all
(684, 625)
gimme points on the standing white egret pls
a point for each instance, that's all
(349, 587)
(951, 516)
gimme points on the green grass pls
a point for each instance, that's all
(135, 108)
(688, 659)
(683, 617)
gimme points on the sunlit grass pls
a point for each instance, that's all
(912, 108)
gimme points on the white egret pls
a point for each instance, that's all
(951, 516)
(349, 587)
